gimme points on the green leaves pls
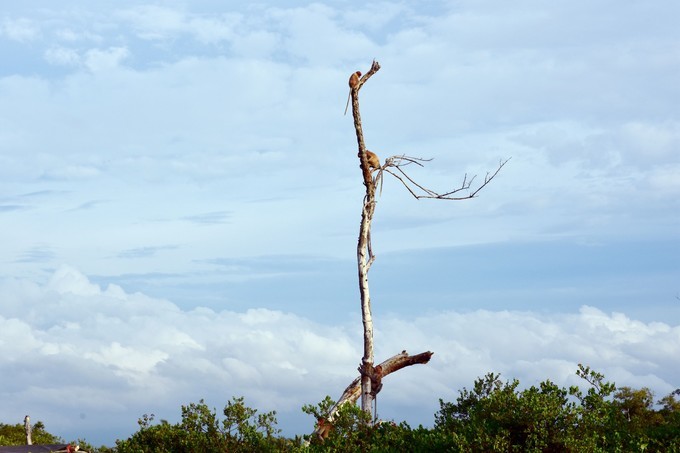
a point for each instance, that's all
(242, 430)
(496, 416)
(493, 416)
(16, 434)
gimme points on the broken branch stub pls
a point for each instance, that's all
(353, 390)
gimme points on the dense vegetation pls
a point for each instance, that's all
(492, 416)
(16, 435)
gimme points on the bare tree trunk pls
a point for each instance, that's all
(364, 259)
(364, 253)
(27, 428)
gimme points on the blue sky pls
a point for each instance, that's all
(180, 201)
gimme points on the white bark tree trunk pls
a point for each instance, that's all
(364, 253)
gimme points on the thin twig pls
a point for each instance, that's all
(398, 162)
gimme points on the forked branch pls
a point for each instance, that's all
(395, 166)
(353, 390)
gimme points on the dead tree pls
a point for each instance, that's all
(27, 429)
(369, 382)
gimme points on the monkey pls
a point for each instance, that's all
(324, 429)
(353, 80)
(373, 161)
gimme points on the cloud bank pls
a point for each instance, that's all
(89, 361)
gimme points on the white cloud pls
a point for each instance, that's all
(68, 280)
(127, 360)
(666, 179)
(143, 354)
(22, 29)
(154, 22)
(314, 35)
(160, 23)
(66, 34)
(62, 56)
(81, 29)
(255, 44)
(214, 30)
(374, 16)
(649, 143)
(102, 60)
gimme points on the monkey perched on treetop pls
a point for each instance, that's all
(353, 80)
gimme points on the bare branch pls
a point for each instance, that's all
(419, 191)
(353, 390)
(375, 67)
(403, 160)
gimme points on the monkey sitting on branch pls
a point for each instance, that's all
(353, 80)
(373, 161)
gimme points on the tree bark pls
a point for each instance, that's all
(354, 389)
(27, 428)
(364, 253)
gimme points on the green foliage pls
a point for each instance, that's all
(241, 430)
(494, 416)
(351, 433)
(16, 435)
(665, 432)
